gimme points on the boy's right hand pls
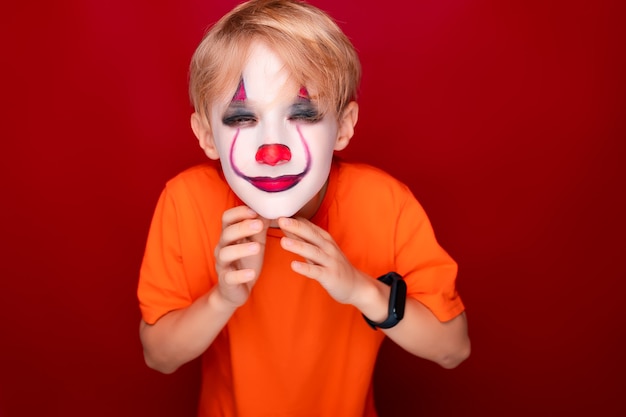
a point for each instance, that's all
(239, 253)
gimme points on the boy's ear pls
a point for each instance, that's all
(203, 132)
(347, 122)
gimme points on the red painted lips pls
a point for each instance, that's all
(275, 185)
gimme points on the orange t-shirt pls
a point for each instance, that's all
(291, 350)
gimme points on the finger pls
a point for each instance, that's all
(261, 236)
(239, 232)
(229, 254)
(236, 215)
(242, 230)
(243, 223)
(315, 272)
(242, 276)
(305, 230)
(308, 251)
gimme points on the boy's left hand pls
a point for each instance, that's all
(325, 262)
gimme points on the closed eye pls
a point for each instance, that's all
(305, 112)
(239, 119)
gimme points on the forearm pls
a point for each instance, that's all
(182, 335)
(419, 332)
(423, 335)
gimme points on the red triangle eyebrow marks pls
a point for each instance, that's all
(304, 93)
(240, 94)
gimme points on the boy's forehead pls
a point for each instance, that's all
(265, 75)
(265, 80)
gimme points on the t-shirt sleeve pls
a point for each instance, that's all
(162, 285)
(430, 273)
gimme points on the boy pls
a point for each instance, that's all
(267, 267)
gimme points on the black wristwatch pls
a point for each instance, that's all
(397, 300)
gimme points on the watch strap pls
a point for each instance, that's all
(397, 301)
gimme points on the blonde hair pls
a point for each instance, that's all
(314, 49)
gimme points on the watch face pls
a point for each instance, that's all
(400, 298)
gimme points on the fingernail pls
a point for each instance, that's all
(286, 221)
(256, 225)
(252, 247)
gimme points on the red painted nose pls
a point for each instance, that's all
(273, 154)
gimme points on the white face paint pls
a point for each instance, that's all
(275, 148)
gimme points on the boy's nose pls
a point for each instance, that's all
(273, 154)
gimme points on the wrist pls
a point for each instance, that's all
(220, 304)
(372, 299)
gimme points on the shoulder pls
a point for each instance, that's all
(203, 179)
(367, 181)
(199, 186)
(369, 196)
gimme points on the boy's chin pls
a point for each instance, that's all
(275, 205)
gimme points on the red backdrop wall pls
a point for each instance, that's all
(505, 118)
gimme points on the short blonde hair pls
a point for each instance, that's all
(315, 50)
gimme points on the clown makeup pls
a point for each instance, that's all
(275, 146)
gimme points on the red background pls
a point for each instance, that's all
(505, 118)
